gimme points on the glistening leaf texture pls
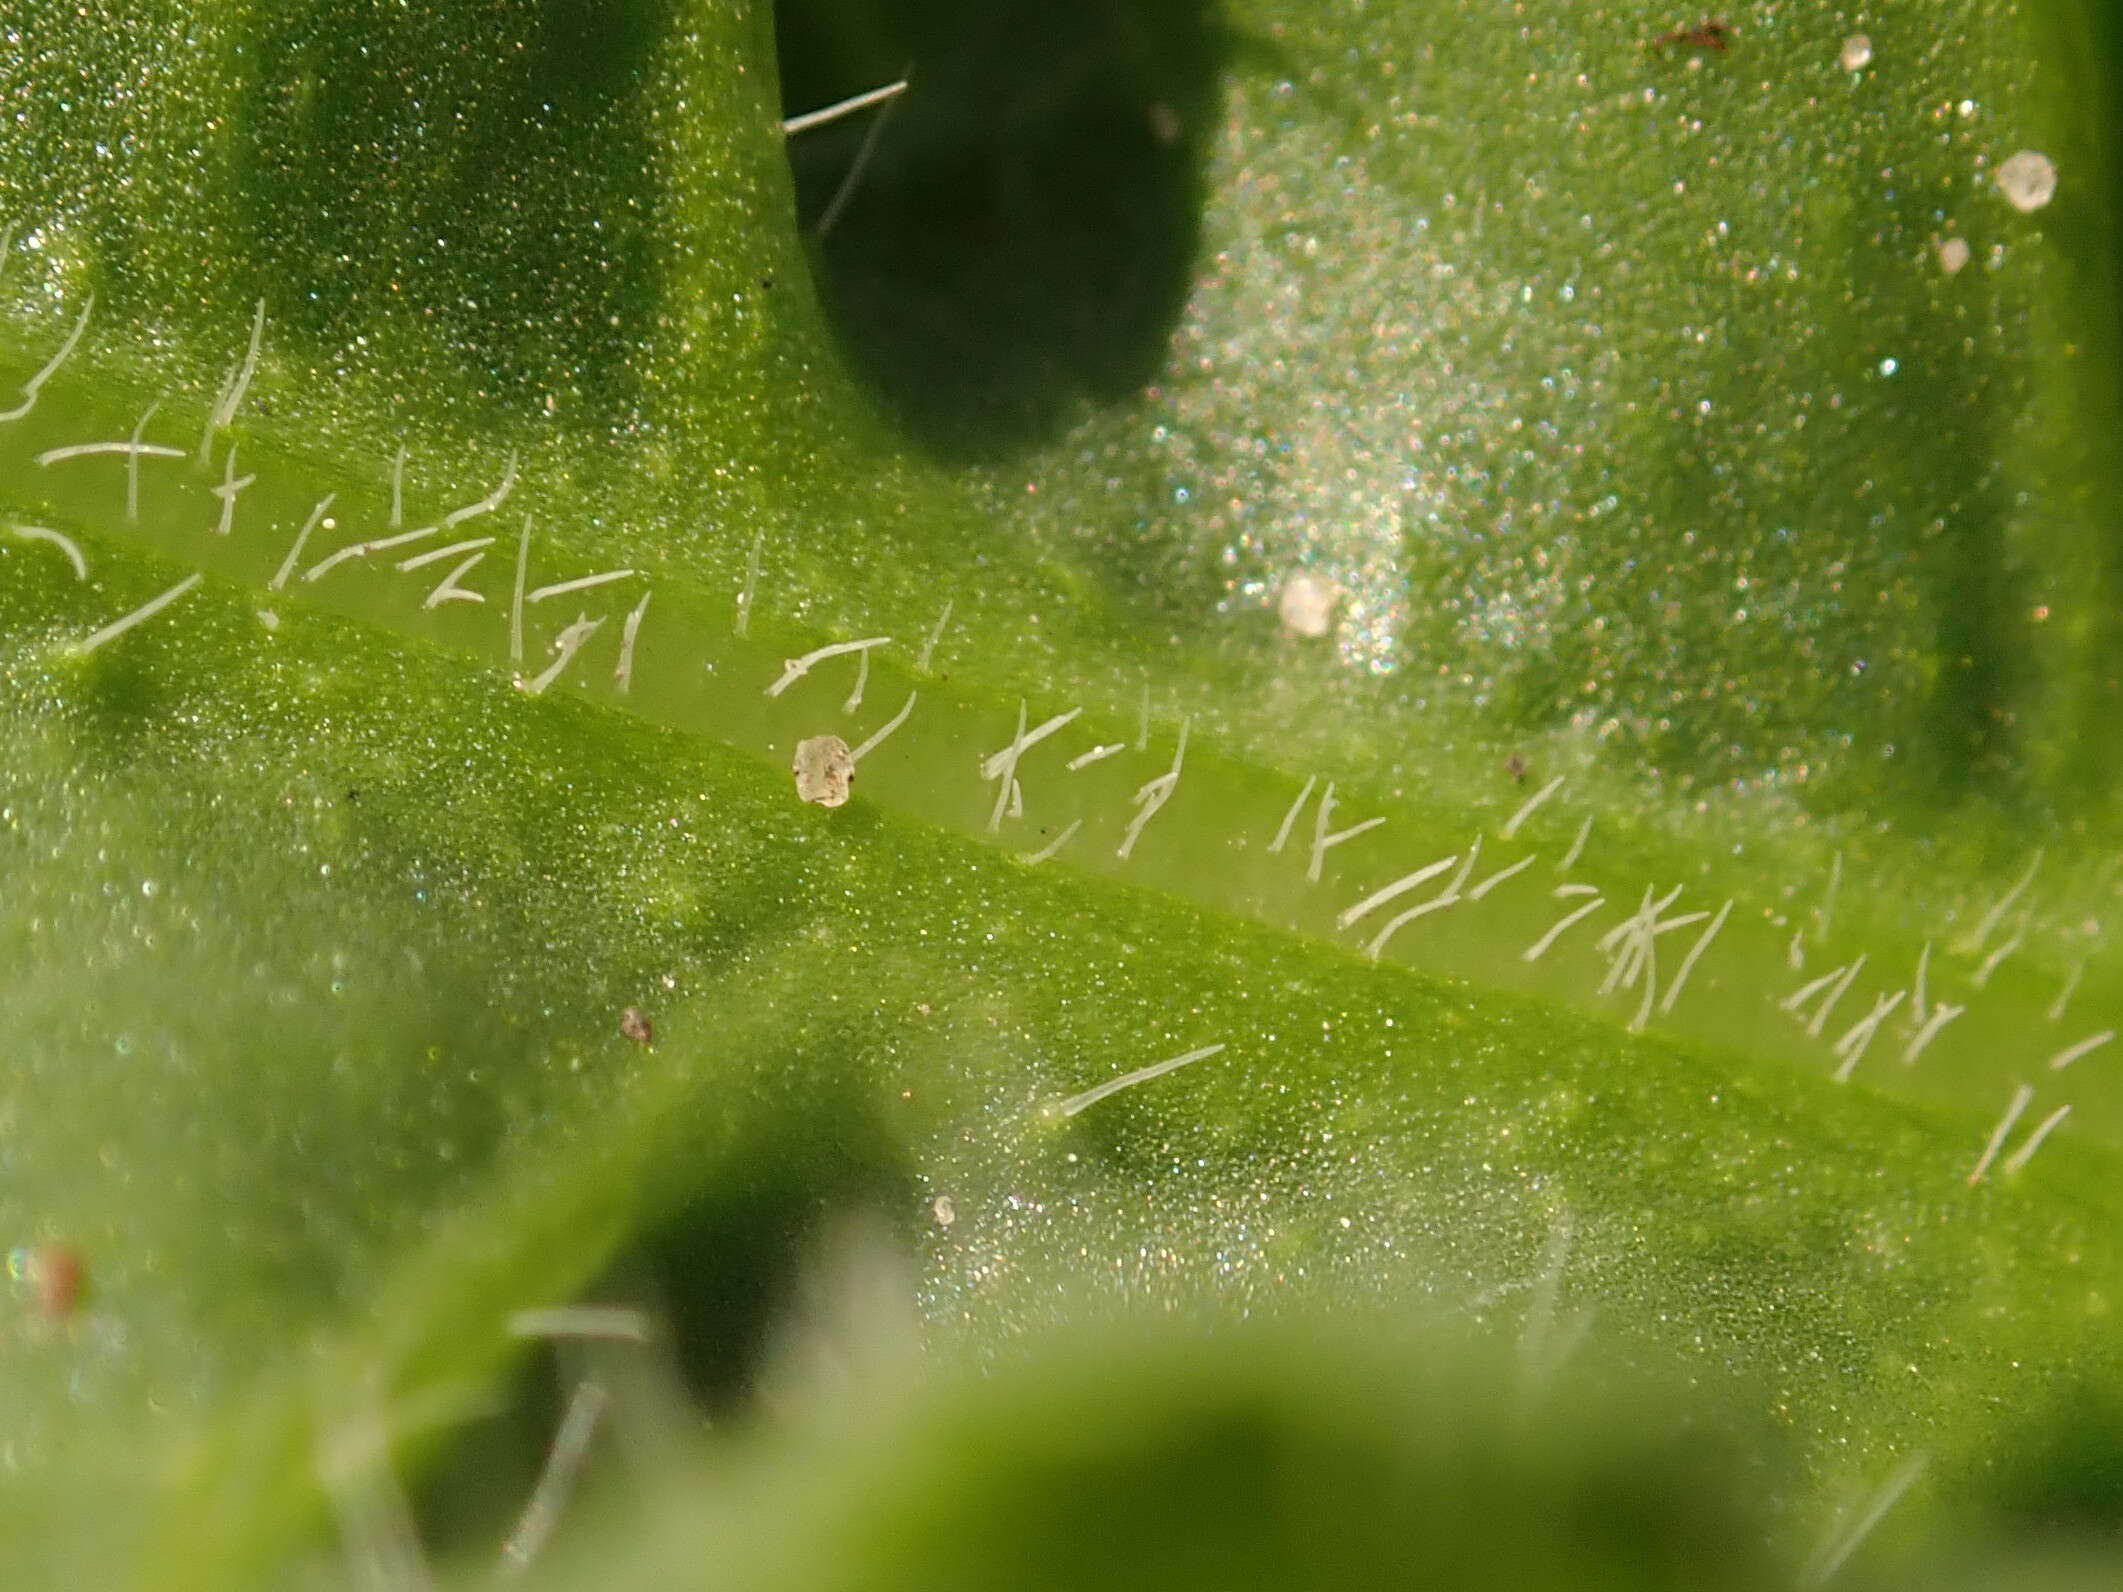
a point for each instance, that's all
(1624, 403)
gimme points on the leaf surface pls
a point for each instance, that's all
(1619, 399)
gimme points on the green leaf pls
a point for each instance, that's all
(383, 965)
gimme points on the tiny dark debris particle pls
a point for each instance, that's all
(1515, 766)
(1709, 34)
(634, 1025)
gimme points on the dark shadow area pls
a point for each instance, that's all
(470, 1491)
(2060, 1473)
(1020, 240)
(724, 1268)
(720, 1276)
(2081, 49)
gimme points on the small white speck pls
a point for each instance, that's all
(1953, 255)
(2028, 180)
(1307, 605)
(1857, 53)
(1889, 366)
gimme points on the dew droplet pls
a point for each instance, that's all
(2028, 180)
(1888, 366)
(1857, 53)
